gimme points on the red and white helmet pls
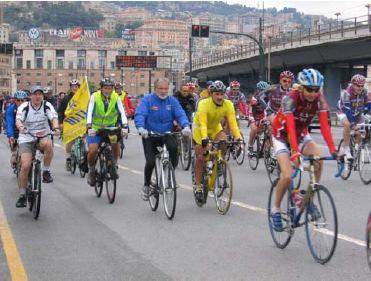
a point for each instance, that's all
(287, 74)
(234, 84)
(358, 79)
(253, 101)
(191, 86)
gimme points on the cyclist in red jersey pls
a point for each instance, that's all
(290, 132)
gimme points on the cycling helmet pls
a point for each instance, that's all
(287, 74)
(119, 85)
(210, 82)
(74, 82)
(253, 101)
(358, 79)
(234, 84)
(107, 81)
(20, 95)
(217, 86)
(262, 85)
(191, 86)
(310, 77)
(37, 88)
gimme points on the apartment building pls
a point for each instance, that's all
(6, 68)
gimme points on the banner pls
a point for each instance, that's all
(74, 123)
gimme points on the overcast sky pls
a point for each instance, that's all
(327, 8)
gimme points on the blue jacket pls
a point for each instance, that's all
(11, 131)
(157, 115)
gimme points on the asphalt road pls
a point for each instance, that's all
(81, 237)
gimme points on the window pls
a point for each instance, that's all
(112, 65)
(38, 74)
(28, 74)
(28, 83)
(91, 74)
(28, 64)
(60, 84)
(92, 65)
(19, 63)
(102, 53)
(142, 53)
(142, 84)
(70, 65)
(49, 83)
(142, 76)
(81, 53)
(59, 53)
(70, 74)
(18, 81)
(81, 64)
(38, 83)
(122, 53)
(39, 53)
(39, 63)
(19, 74)
(102, 63)
(49, 64)
(49, 74)
(60, 63)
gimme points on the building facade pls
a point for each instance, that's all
(6, 68)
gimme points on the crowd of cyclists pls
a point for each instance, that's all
(211, 114)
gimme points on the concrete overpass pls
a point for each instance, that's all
(335, 51)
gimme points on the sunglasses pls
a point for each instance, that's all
(235, 89)
(312, 89)
(358, 86)
(19, 100)
(286, 81)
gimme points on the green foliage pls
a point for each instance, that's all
(120, 27)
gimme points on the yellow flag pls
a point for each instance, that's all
(74, 123)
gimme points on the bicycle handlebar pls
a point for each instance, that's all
(311, 158)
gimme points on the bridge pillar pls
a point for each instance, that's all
(332, 85)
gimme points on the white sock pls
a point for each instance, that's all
(46, 168)
(68, 155)
(276, 210)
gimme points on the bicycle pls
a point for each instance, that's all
(184, 150)
(122, 144)
(236, 150)
(78, 157)
(260, 142)
(368, 240)
(163, 180)
(216, 177)
(361, 161)
(106, 173)
(317, 222)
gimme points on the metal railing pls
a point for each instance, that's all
(348, 28)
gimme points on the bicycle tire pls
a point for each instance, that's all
(368, 240)
(73, 163)
(29, 189)
(222, 187)
(36, 191)
(254, 154)
(153, 196)
(348, 171)
(99, 177)
(186, 155)
(122, 147)
(320, 225)
(111, 178)
(169, 190)
(241, 155)
(283, 237)
(83, 155)
(364, 164)
(271, 165)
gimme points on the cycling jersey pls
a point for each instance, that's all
(188, 104)
(274, 97)
(11, 129)
(208, 118)
(354, 105)
(35, 119)
(256, 113)
(204, 94)
(239, 101)
(296, 113)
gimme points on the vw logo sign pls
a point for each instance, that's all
(33, 33)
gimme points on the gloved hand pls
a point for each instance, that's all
(11, 141)
(56, 132)
(187, 131)
(335, 155)
(143, 132)
(295, 155)
(124, 131)
(92, 132)
(205, 142)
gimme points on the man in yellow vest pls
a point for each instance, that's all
(105, 109)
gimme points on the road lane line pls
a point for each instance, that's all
(15, 265)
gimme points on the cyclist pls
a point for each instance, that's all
(105, 109)
(129, 108)
(156, 113)
(207, 126)
(275, 93)
(32, 118)
(354, 102)
(74, 86)
(11, 130)
(186, 100)
(2, 106)
(290, 130)
(205, 93)
(257, 113)
(237, 98)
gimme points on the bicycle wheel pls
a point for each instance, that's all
(240, 153)
(83, 160)
(186, 155)
(36, 191)
(271, 164)
(99, 174)
(110, 177)
(122, 147)
(223, 190)
(368, 240)
(73, 162)
(281, 237)
(349, 165)
(154, 187)
(254, 154)
(364, 163)
(169, 190)
(321, 226)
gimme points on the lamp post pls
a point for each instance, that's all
(55, 83)
(368, 6)
(190, 44)
(269, 58)
(337, 14)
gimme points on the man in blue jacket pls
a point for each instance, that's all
(156, 113)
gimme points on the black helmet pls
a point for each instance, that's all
(107, 81)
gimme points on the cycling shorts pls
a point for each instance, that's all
(281, 146)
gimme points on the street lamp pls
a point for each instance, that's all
(337, 14)
(190, 44)
(368, 6)
(55, 83)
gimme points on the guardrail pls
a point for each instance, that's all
(348, 28)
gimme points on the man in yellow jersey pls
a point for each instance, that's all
(207, 126)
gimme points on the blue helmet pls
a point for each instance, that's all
(37, 88)
(262, 85)
(310, 77)
(20, 95)
(210, 82)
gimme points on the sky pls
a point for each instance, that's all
(347, 9)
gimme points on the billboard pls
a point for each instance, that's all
(136, 61)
